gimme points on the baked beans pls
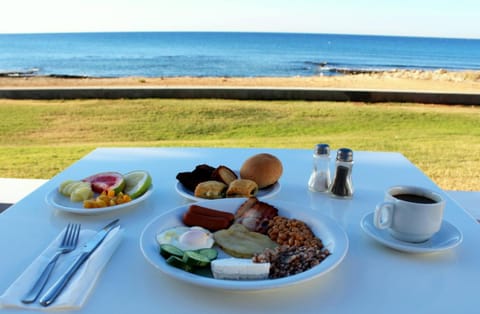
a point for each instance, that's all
(292, 232)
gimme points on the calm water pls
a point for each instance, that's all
(199, 54)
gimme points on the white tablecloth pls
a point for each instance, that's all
(371, 279)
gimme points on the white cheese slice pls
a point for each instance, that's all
(239, 269)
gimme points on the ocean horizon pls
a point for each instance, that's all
(227, 54)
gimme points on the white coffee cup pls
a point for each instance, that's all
(411, 214)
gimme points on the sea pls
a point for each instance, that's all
(227, 54)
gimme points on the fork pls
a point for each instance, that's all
(68, 244)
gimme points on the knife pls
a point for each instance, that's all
(86, 250)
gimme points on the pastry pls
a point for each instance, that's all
(224, 174)
(210, 189)
(242, 188)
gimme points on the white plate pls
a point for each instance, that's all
(448, 237)
(262, 193)
(333, 236)
(63, 203)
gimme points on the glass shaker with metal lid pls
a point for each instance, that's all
(342, 183)
(320, 178)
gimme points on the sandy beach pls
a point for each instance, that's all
(439, 80)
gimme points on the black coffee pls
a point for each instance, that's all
(413, 198)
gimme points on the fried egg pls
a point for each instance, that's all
(186, 238)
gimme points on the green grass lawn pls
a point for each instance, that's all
(38, 139)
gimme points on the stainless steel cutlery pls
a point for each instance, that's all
(68, 244)
(85, 252)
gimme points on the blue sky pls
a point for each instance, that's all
(437, 18)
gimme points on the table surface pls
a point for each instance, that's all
(371, 279)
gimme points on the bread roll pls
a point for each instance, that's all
(265, 169)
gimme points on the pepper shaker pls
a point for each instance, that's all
(320, 178)
(342, 183)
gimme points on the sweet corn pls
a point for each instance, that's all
(106, 199)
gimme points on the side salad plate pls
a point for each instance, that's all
(63, 203)
(332, 235)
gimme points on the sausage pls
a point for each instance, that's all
(211, 212)
(208, 222)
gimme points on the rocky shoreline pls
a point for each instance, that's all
(438, 80)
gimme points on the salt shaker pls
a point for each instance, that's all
(320, 178)
(342, 183)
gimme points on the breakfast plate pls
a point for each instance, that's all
(333, 236)
(264, 193)
(63, 203)
(448, 237)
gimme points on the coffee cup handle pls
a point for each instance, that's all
(382, 217)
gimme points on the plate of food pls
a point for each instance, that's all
(186, 243)
(101, 193)
(264, 193)
(257, 177)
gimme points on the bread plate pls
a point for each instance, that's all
(262, 193)
(333, 236)
(63, 203)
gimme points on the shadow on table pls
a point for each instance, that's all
(4, 206)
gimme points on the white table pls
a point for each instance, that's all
(371, 279)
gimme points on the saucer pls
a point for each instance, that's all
(446, 238)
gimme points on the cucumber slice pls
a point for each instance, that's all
(167, 250)
(210, 253)
(175, 261)
(195, 259)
